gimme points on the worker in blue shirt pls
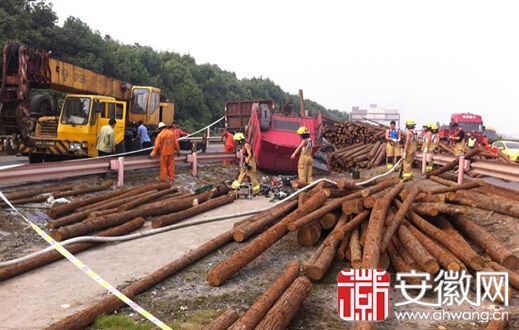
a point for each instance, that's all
(142, 135)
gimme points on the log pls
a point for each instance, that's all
(399, 264)
(87, 316)
(224, 321)
(320, 263)
(67, 220)
(404, 254)
(101, 213)
(374, 232)
(340, 231)
(495, 249)
(513, 277)
(486, 202)
(433, 209)
(452, 165)
(363, 229)
(118, 201)
(168, 219)
(380, 186)
(455, 187)
(259, 309)
(443, 181)
(144, 199)
(345, 184)
(51, 256)
(224, 270)
(399, 217)
(280, 315)
(309, 235)
(355, 249)
(315, 215)
(497, 325)
(342, 250)
(301, 199)
(33, 191)
(329, 220)
(354, 206)
(266, 219)
(369, 202)
(419, 253)
(115, 219)
(444, 257)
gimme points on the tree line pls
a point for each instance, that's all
(198, 90)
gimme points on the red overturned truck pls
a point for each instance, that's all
(272, 133)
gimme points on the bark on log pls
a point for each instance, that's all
(340, 231)
(224, 321)
(374, 232)
(354, 206)
(61, 209)
(380, 186)
(455, 187)
(152, 197)
(67, 220)
(329, 220)
(369, 202)
(280, 315)
(443, 181)
(399, 264)
(51, 256)
(33, 191)
(224, 270)
(101, 213)
(87, 316)
(444, 257)
(342, 250)
(262, 305)
(355, 249)
(168, 219)
(497, 325)
(116, 202)
(266, 219)
(451, 165)
(363, 230)
(399, 217)
(487, 242)
(404, 254)
(115, 219)
(330, 206)
(426, 261)
(346, 184)
(309, 235)
(433, 209)
(513, 277)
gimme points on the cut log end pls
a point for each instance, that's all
(213, 279)
(238, 236)
(511, 262)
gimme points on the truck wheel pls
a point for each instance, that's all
(35, 158)
(42, 105)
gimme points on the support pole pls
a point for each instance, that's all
(195, 169)
(461, 169)
(120, 172)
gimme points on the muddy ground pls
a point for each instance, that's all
(186, 301)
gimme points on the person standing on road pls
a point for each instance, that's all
(143, 136)
(106, 139)
(393, 147)
(306, 162)
(166, 142)
(410, 147)
(229, 146)
(249, 165)
(457, 137)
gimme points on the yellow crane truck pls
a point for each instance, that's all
(32, 125)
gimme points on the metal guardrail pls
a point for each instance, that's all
(483, 167)
(67, 169)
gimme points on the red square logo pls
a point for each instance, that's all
(363, 294)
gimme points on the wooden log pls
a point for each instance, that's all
(280, 315)
(87, 316)
(441, 180)
(101, 213)
(486, 202)
(389, 183)
(363, 229)
(486, 241)
(380, 156)
(513, 277)
(115, 219)
(419, 253)
(444, 257)
(116, 202)
(329, 220)
(369, 202)
(309, 235)
(464, 253)
(224, 270)
(433, 209)
(151, 197)
(342, 250)
(453, 164)
(34, 191)
(374, 232)
(404, 254)
(345, 184)
(168, 219)
(51, 256)
(330, 206)
(266, 219)
(67, 220)
(355, 249)
(455, 187)
(354, 206)
(224, 321)
(259, 309)
(399, 217)
(300, 199)
(497, 325)
(340, 231)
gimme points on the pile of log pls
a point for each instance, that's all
(491, 154)
(360, 155)
(348, 133)
(117, 213)
(385, 225)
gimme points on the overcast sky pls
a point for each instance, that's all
(427, 59)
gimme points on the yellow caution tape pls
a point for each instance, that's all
(85, 269)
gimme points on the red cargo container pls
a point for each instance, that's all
(237, 113)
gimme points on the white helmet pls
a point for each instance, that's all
(161, 125)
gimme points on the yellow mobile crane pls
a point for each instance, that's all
(32, 124)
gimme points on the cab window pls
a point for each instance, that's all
(140, 100)
(155, 102)
(76, 111)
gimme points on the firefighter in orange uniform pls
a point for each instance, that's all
(228, 138)
(167, 143)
